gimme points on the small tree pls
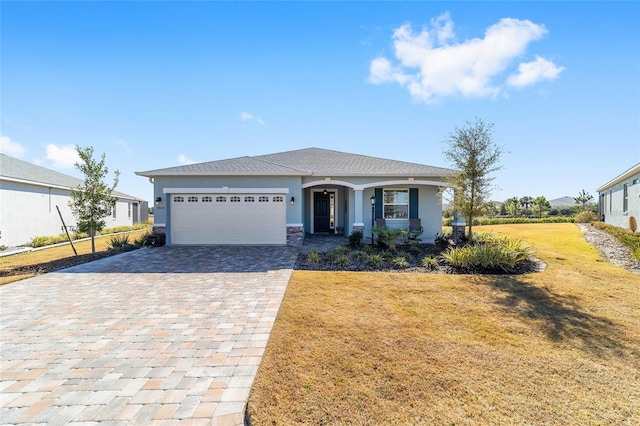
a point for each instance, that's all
(472, 152)
(92, 201)
(541, 205)
(583, 198)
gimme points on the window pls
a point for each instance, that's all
(610, 200)
(192, 199)
(178, 199)
(625, 198)
(115, 208)
(635, 181)
(278, 199)
(263, 199)
(249, 199)
(221, 199)
(129, 210)
(235, 199)
(207, 199)
(395, 203)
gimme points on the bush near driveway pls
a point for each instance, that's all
(557, 347)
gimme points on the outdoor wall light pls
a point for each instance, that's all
(293, 200)
(158, 200)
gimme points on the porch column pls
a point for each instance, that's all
(358, 224)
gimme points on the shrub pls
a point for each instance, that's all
(40, 241)
(141, 240)
(625, 236)
(633, 224)
(489, 251)
(359, 255)
(375, 260)
(355, 239)
(314, 256)
(388, 237)
(400, 262)
(331, 256)
(117, 241)
(118, 229)
(429, 262)
(342, 260)
(343, 250)
(586, 217)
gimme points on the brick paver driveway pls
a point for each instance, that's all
(157, 335)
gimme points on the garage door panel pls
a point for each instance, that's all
(226, 222)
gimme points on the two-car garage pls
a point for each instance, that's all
(240, 218)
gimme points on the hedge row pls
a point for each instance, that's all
(625, 236)
(512, 220)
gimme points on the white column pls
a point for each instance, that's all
(358, 219)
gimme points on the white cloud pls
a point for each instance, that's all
(532, 72)
(246, 116)
(63, 157)
(122, 144)
(8, 147)
(431, 64)
(183, 159)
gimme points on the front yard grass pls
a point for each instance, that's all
(59, 254)
(557, 347)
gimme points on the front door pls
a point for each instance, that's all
(322, 214)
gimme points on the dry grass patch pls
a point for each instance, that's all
(34, 262)
(557, 347)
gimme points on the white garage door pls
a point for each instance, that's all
(228, 219)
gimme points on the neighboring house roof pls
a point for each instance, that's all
(16, 170)
(303, 162)
(626, 175)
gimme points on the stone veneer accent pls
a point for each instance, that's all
(159, 229)
(458, 232)
(295, 235)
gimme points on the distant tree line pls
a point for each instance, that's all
(536, 207)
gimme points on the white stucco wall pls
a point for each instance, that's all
(611, 202)
(27, 211)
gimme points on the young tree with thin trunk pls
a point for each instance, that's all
(92, 201)
(583, 198)
(472, 152)
(525, 202)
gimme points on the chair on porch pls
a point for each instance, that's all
(415, 228)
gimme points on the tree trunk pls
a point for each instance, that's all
(92, 230)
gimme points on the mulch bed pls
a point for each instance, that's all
(56, 265)
(414, 258)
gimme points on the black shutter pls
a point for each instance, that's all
(413, 203)
(378, 195)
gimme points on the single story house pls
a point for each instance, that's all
(619, 199)
(29, 195)
(278, 198)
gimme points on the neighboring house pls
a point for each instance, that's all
(29, 195)
(619, 199)
(277, 198)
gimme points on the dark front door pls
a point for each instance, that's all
(321, 212)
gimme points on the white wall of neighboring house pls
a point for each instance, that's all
(611, 199)
(28, 210)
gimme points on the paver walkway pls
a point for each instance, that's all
(170, 335)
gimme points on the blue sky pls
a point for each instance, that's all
(157, 84)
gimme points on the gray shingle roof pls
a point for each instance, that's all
(14, 168)
(303, 162)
